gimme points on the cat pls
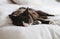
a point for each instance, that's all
(29, 16)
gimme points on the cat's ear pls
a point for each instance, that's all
(26, 12)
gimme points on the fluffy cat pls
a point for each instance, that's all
(29, 16)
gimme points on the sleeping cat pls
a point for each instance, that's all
(29, 16)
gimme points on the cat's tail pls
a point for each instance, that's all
(41, 13)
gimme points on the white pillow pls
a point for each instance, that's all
(28, 2)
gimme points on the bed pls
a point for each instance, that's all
(40, 31)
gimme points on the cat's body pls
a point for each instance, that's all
(29, 16)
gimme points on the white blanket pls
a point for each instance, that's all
(31, 32)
